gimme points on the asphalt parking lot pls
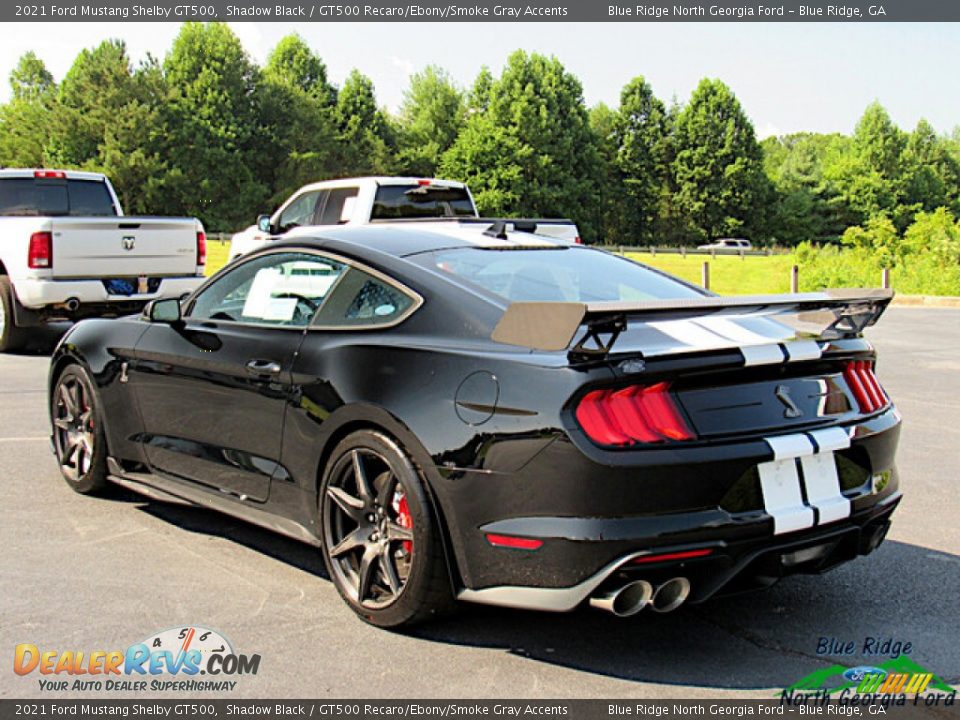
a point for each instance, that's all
(89, 574)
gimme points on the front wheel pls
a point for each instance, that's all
(78, 438)
(381, 543)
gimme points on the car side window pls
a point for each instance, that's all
(283, 289)
(361, 299)
(339, 206)
(299, 212)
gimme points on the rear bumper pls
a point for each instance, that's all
(40, 294)
(595, 518)
(730, 568)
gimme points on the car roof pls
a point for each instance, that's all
(380, 180)
(408, 239)
(33, 172)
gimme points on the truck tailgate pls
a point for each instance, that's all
(124, 247)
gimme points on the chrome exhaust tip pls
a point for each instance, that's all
(72, 304)
(626, 601)
(670, 595)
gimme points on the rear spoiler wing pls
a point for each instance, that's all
(554, 326)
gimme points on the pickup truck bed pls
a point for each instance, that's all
(68, 252)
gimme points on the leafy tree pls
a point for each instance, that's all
(530, 151)
(807, 206)
(611, 207)
(93, 95)
(25, 120)
(641, 135)
(293, 64)
(718, 167)
(30, 79)
(930, 174)
(478, 100)
(879, 237)
(364, 129)
(432, 113)
(297, 114)
(937, 233)
(213, 138)
(879, 142)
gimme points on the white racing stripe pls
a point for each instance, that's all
(762, 355)
(730, 328)
(780, 480)
(790, 446)
(781, 496)
(823, 487)
(802, 350)
(831, 439)
(691, 334)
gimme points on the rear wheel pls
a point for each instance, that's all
(381, 543)
(78, 438)
(11, 337)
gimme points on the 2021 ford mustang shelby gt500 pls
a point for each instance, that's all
(494, 418)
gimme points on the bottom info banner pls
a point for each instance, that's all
(818, 706)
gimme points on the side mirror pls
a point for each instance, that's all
(264, 225)
(164, 310)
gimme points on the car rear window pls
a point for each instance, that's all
(54, 196)
(557, 274)
(416, 201)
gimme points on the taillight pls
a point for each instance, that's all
(50, 174)
(40, 253)
(635, 414)
(865, 387)
(201, 248)
(577, 240)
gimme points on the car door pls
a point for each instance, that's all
(212, 388)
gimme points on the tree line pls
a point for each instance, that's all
(205, 131)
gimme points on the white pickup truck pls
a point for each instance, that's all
(68, 252)
(366, 200)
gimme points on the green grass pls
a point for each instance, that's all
(729, 274)
(217, 252)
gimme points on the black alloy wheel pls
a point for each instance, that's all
(381, 545)
(78, 437)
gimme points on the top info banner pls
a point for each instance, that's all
(482, 11)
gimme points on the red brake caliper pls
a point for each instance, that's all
(404, 520)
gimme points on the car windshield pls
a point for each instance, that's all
(413, 201)
(556, 274)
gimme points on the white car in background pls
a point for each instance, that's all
(734, 244)
(368, 200)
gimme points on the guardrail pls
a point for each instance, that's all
(684, 251)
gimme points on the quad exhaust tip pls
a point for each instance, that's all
(635, 596)
(625, 601)
(671, 595)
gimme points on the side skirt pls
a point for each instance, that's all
(169, 490)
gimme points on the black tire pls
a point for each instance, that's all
(12, 338)
(78, 438)
(370, 530)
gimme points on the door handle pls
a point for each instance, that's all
(263, 367)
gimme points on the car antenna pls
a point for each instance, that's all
(498, 230)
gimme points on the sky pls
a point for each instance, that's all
(789, 77)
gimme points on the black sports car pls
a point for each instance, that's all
(451, 414)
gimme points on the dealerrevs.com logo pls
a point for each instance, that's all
(184, 659)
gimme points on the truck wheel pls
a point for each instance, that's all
(11, 337)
